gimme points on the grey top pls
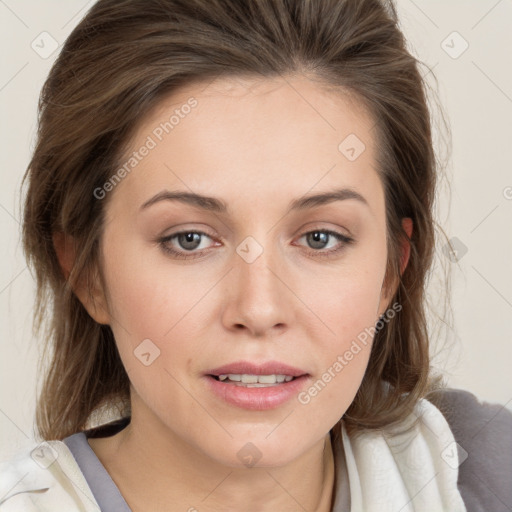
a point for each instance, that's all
(483, 431)
(103, 488)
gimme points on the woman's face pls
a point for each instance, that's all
(257, 277)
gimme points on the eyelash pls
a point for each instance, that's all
(316, 253)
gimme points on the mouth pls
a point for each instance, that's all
(256, 386)
(246, 373)
(253, 381)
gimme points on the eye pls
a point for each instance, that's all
(189, 241)
(320, 238)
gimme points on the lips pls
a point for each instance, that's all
(249, 368)
(256, 387)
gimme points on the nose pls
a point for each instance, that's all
(258, 298)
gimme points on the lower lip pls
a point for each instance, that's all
(257, 399)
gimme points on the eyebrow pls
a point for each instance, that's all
(213, 204)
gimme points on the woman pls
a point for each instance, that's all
(229, 208)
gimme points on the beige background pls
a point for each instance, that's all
(475, 87)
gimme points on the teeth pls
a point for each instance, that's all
(231, 376)
(266, 379)
(255, 380)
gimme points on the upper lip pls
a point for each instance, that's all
(248, 368)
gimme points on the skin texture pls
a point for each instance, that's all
(257, 145)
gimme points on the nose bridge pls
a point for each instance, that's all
(256, 266)
(258, 296)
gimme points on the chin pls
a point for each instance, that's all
(257, 453)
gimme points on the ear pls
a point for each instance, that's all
(405, 252)
(90, 294)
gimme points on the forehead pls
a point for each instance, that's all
(253, 140)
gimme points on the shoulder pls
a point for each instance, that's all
(483, 432)
(44, 476)
(478, 424)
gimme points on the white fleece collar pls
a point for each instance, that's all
(412, 472)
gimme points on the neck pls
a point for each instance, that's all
(142, 465)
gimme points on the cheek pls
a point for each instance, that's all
(347, 307)
(152, 299)
(147, 294)
(345, 303)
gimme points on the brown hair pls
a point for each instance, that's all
(126, 55)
